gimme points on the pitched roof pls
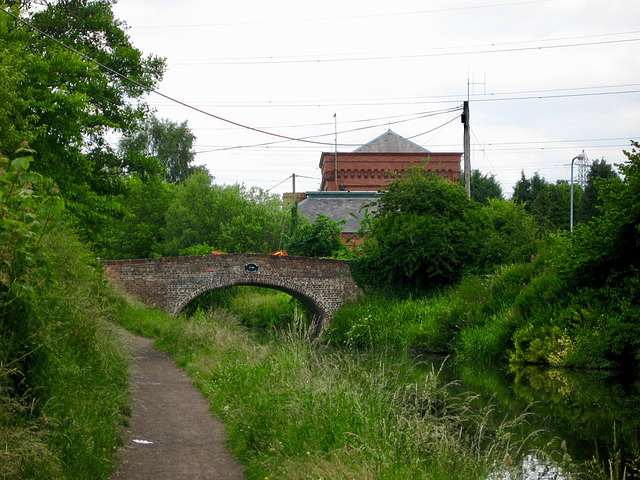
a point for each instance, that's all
(391, 142)
(349, 206)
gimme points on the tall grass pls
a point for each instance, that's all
(381, 322)
(63, 395)
(296, 410)
(476, 319)
(257, 307)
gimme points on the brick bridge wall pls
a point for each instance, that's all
(322, 285)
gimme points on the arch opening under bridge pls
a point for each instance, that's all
(321, 285)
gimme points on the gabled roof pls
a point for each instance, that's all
(391, 142)
(349, 206)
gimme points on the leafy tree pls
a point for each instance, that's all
(425, 233)
(483, 187)
(318, 239)
(29, 208)
(513, 235)
(611, 241)
(552, 206)
(74, 106)
(590, 202)
(138, 234)
(548, 203)
(165, 143)
(15, 128)
(229, 218)
(257, 224)
(527, 190)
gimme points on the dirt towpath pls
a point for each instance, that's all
(173, 435)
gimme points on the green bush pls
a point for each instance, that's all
(75, 371)
(490, 341)
(424, 234)
(513, 236)
(318, 239)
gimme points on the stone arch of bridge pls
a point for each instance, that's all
(318, 310)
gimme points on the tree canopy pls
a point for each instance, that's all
(318, 239)
(591, 203)
(70, 106)
(425, 232)
(549, 203)
(162, 143)
(484, 187)
(231, 218)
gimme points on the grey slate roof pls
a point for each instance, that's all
(391, 142)
(338, 206)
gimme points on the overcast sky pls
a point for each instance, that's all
(546, 79)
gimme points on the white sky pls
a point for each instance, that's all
(548, 79)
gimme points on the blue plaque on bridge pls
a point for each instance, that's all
(251, 267)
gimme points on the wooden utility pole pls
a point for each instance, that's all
(295, 198)
(335, 158)
(467, 149)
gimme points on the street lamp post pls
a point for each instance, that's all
(581, 157)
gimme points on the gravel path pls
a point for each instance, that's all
(173, 434)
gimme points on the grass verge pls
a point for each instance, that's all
(296, 410)
(64, 373)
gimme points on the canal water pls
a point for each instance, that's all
(573, 416)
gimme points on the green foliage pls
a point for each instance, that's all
(318, 239)
(200, 249)
(525, 191)
(483, 187)
(68, 108)
(27, 212)
(490, 341)
(212, 300)
(230, 218)
(552, 207)
(15, 129)
(65, 377)
(266, 309)
(255, 307)
(380, 321)
(165, 143)
(593, 328)
(590, 203)
(139, 233)
(426, 233)
(79, 375)
(610, 242)
(513, 234)
(550, 204)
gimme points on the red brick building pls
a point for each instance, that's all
(373, 166)
(362, 174)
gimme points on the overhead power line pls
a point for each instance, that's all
(387, 120)
(478, 50)
(147, 88)
(237, 147)
(350, 17)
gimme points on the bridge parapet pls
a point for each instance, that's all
(171, 283)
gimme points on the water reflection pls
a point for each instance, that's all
(578, 415)
(532, 467)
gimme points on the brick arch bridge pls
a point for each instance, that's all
(321, 285)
